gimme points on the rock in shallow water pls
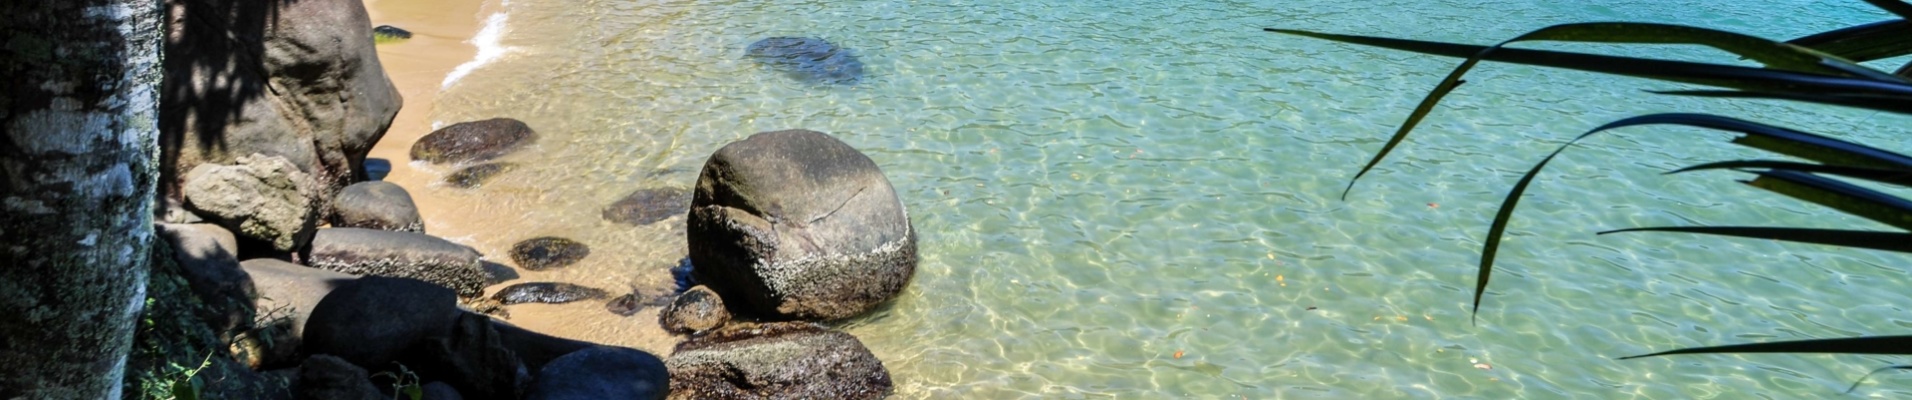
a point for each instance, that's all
(477, 175)
(647, 206)
(808, 59)
(473, 141)
(546, 292)
(630, 303)
(542, 253)
(798, 225)
(696, 310)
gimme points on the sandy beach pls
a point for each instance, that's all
(441, 42)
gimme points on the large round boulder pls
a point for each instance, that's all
(374, 320)
(797, 225)
(359, 251)
(792, 360)
(602, 372)
(473, 141)
(294, 79)
(376, 205)
(264, 199)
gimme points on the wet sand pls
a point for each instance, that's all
(441, 30)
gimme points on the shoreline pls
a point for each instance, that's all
(442, 44)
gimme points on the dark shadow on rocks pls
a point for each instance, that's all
(498, 273)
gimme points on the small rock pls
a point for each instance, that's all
(473, 141)
(546, 292)
(263, 198)
(542, 253)
(476, 175)
(376, 205)
(377, 168)
(630, 303)
(788, 359)
(647, 206)
(399, 254)
(324, 377)
(602, 372)
(374, 320)
(388, 33)
(696, 310)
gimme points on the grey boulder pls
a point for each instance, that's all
(373, 320)
(376, 205)
(602, 372)
(263, 198)
(374, 252)
(792, 360)
(798, 225)
(696, 310)
(473, 141)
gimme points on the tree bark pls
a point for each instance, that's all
(78, 151)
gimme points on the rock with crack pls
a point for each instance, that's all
(374, 252)
(263, 199)
(784, 360)
(798, 225)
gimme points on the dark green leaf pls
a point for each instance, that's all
(1853, 345)
(1887, 241)
(1888, 176)
(1862, 379)
(1845, 197)
(1878, 40)
(1788, 141)
(1887, 104)
(1745, 78)
(1894, 6)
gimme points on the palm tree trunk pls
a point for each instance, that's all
(78, 151)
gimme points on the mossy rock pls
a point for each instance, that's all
(542, 253)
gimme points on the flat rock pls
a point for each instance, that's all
(809, 60)
(648, 206)
(548, 252)
(602, 372)
(798, 225)
(376, 205)
(262, 198)
(792, 360)
(359, 251)
(474, 141)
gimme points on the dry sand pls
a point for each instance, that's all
(441, 30)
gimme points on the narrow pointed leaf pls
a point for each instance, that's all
(1845, 197)
(1729, 76)
(1894, 6)
(1887, 176)
(1904, 71)
(1892, 104)
(1860, 43)
(1887, 241)
(1862, 379)
(1790, 142)
(1853, 345)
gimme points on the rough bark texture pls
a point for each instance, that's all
(78, 111)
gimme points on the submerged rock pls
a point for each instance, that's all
(542, 253)
(476, 175)
(630, 303)
(546, 292)
(647, 206)
(388, 33)
(782, 360)
(810, 60)
(798, 225)
(473, 141)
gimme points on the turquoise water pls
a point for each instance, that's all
(1140, 199)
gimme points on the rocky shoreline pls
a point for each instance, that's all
(292, 271)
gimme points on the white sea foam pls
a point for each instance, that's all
(489, 49)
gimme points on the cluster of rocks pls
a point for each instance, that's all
(341, 289)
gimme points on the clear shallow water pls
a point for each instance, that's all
(1102, 186)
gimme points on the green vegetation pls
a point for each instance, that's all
(1822, 68)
